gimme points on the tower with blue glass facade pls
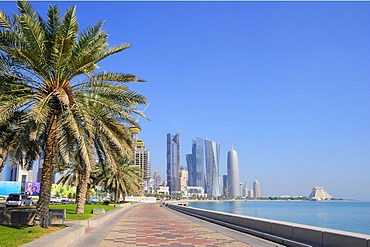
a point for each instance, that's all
(212, 158)
(173, 163)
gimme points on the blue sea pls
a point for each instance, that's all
(352, 216)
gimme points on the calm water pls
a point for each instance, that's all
(342, 215)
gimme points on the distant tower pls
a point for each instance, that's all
(233, 179)
(198, 163)
(157, 179)
(173, 162)
(183, 179)
(256, 189)
(141, 154)
(191, 169)
(212, 157)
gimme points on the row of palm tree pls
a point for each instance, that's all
(121, 178)
(60, 106)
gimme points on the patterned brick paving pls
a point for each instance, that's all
(151, 225)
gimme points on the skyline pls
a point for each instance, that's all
(285, 83)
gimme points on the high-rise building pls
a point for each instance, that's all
(157, 179)
(191, 169)
(183, 179)
(141, 155)
(250, 193)
(256, 189)
(212, 158)
(243, 189)
(173, 163)
(142, 159)
(198, 162)
(233, 173)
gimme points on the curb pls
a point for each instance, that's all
(75, 229)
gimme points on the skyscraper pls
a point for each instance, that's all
(212, 157)
(141, 155)
(173, 162)
(198, 162)
(256, 189)
(191, 170)
(157, 179)
(233, 173)
(183, 179)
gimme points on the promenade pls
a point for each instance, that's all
(152, 225)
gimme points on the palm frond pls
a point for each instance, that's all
(69, 28)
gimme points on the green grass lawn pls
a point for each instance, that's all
(71, 210)
(12, 236)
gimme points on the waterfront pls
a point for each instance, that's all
(352, 216)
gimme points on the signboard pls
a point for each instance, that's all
(32, 188)
(9, 187)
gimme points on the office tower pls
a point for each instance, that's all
(243, 189)
(198, 162)
(191, 169)
(256, 189)
(183, 179)
(141, 155)
(142, 159)
(250, 193)
(233, 173)
(225, 185)
(173, 162)
(157, 179)
(212, 157)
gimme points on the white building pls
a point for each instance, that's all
(319, 194)
(256, 189)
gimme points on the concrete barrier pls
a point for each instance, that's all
(289, 234)
(98, 211)
(25, 216)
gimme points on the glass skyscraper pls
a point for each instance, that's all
(191, 169)
(173, 162)
(198, 162)
(212, 155)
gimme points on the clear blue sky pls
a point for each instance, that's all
(287, 83)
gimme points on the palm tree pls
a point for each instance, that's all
(123, 179)
(60, 83)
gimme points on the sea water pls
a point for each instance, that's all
(352, 216)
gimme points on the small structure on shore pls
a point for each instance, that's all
(319, 194)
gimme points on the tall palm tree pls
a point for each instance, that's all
(123, 179)
(61, 83)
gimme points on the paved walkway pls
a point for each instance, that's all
(152, 225)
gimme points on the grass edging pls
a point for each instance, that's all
(75, 230)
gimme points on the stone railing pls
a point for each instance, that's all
(289, 234)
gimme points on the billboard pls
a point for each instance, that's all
(32, 188)
(9, 187)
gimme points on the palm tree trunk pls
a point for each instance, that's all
(116, 196)
(42, 209)
(88, 194)
(4, 157)
(82, 190)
